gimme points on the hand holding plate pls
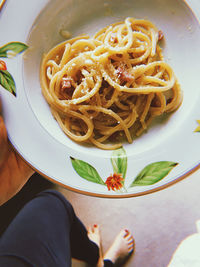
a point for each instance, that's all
(14, 172)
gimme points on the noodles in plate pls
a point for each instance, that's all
(110, 87)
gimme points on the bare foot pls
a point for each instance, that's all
(121, 248)
(94, 235)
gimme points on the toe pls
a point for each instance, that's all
(125, 232)
(96, 228)
(131, 246)
(130, 238)
(89, 229)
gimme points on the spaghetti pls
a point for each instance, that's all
(109, 87)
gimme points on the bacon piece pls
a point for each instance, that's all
(124, 75)
(160, 35)
(66, 88)
(66, 83)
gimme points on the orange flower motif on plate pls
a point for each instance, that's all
(2, 65)
(151, 174)
(114, 181)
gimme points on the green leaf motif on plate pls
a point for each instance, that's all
(150, 175)
(9, 50)
(13, 47)
(86, 171)
(7, 81)
(119, 161)
(153, 173)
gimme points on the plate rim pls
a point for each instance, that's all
(124, 195)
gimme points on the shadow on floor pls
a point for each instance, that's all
(10, 209)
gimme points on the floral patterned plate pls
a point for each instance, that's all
(168, 152)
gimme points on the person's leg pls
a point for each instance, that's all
(82, 247)
(14, 261)
(42, 232)
(108, 263)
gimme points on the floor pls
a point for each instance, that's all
(158, 221)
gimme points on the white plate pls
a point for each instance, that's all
(36, 135)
